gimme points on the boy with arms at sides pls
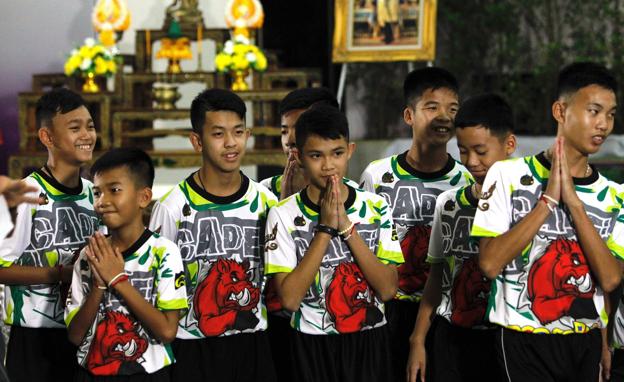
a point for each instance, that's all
(456, 291)
(551, 231)
(410, 182)
(127, 290)
(217, 217)
(332, 251)
(290, 108)
(36, 261)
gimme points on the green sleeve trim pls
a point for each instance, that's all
(390, 256)
(482, 232)
(70, 316)
(270, 269)
(616, 249)
(435, 260)
(178, 303)
(5, 263)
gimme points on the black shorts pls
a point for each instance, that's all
(401, 316)
(549, 357)
(279, 332)
(617, 366)
(162, 375)
(240, 358)
(355, 357)
(460, 354)
(40, 354)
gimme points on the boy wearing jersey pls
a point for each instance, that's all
(216, 216)
(551, 232)
(127, 290)
(456, 292)
(410, 182)
(332, 251)
(36, 260)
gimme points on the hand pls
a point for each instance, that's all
(96, 280)
(568, 192)
(416, 362)
(605, 363)
(294, 178)
(553, 189)
(343, 218)
(329, 206)
(15, 192)
(106, 261)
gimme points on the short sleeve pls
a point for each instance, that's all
(80, 287)
(615, 242)
(366, 180)
(5, 218)
(171, 289)
(493, 216)
(163, 222)
(438, 238)
(389, 249)
(13, 247)
(279, 246)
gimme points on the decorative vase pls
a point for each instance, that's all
(165, 96)
(238, 83)
(174, 66)
(90, 86)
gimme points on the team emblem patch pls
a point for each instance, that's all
(269, 240)
(299, 221)
(186, 210)
(526, 180)
(485, 196)
(44, 196)
(180, 280)
(449, 205)
(387, 177)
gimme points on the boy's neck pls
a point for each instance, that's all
(314, 193)
(64, 173)
(217, 182)
(578, 163)
(427, 158)
(125, 236)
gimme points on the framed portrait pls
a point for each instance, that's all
(384, 30)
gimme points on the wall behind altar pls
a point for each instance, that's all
(37, 35)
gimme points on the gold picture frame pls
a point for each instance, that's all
(384, 30)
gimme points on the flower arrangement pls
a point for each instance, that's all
(239, 54)
(91, 59)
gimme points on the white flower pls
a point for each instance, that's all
(114, 51)
(89, 41)
(241, 39)
(86, 64)
(251, 57)
(73, 52)
(229, 47)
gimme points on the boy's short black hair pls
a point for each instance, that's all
(323, 120)
(56, 101)
(306, 97)
(581, 74)
(489, 110)
(215, 100)
(419, 80)
(138, 163)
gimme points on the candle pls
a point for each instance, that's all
(148, 45)
(200, 30)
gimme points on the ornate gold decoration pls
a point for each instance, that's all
(186, 13)
(238, 82)
(110, 18)
(90, 86)
(165, 96)
(243, 15)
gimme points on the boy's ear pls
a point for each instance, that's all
(558, 111)
(196, 141)
(408, 115)
(145, 197)
(510, 144)
(350, 149)
(45, 136)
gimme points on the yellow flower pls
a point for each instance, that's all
(240, 63)
(261, 62)
(100, 66)
(112, 66)
(222, 61)
(72, 64)
(85, 52)
(240, 49)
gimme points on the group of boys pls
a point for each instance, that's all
(490, 269)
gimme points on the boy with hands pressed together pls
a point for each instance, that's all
(127, 290)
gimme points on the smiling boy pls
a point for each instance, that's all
(36, 261)
(217, 217)
(550, 234)
(332, 251)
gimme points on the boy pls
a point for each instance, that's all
(290, 108)
(37, 259)
(332, 252)
(456, 290)
(551, 232)
(410, 182)
(217, 217)
(127, 291)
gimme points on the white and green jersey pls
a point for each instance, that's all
(46, 236)
(618, 326)
(549, 287)
(221, 242)
(340, 300)
(274, 184)
(465, 290)
(412, 196)
(117, 343)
